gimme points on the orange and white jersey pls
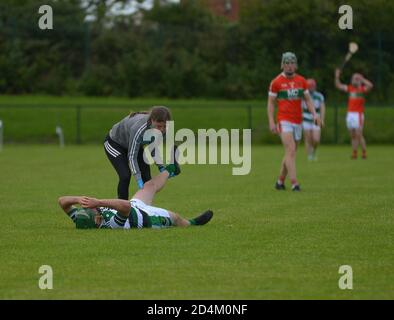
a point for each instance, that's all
(356, 102)
(289, 93)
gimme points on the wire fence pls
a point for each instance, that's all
(83, 124)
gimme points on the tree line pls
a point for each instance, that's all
(184, 51)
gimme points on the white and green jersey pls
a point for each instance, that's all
(107, 214)
(318, 100)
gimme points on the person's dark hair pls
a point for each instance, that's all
(160, 114)
(157, 113)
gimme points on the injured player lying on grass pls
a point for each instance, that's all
(123, 214)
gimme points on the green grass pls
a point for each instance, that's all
(33, 119)
(261, 244)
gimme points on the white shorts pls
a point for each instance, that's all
(354, 120)
(306, 125)
(147, 216)
(296, 129)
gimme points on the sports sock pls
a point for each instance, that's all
(294, 182)
(354, 154)
(281, 180)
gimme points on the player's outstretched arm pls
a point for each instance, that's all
(67, 202)
(338, 84)
(122, 206)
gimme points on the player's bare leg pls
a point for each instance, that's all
(355, 142)
(363, 144)
(178, 220)
(280, 184)
(202, 219)
(290, 157)
(309, 143)
(290, 153)
(316, 134)
(151, 187)
(283, 169)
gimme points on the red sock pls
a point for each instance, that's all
(294, 182)
(281, 179)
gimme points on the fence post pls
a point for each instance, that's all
(1, 135)
(87, 46)
(380, 60)
(78, 135)
(60, 134)
(336, 124)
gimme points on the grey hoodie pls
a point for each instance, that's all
(129, 134)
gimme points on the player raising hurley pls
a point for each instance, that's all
(355, 114)
(311, 130)
(288, 89)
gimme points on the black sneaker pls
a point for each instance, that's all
(280, 186)
(204, 218)
(296, 188)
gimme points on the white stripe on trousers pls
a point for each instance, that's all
(112, 153)
(112, 148)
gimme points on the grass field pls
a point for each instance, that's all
(261, 244)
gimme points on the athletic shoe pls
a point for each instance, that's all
(296, 187)
(280, 186)
(203, 218)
